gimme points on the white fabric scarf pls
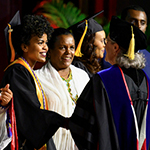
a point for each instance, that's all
(59, 99)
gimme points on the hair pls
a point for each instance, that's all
(32, 25)
(138, 62)
(134, 7)
(57, 32)
(89, 58)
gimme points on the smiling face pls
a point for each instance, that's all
(100, 44)
(61, 56)
(138, 18)
(36, 50)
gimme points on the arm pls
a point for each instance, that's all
(5, 97)
(35, 125)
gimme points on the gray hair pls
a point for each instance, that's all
(138, 62)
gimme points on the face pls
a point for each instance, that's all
(111, 51)
(36, 50)
(100, 44)
(63, 53)
(138, 18)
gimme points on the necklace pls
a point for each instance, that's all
(68, 85)
(66, 76)
(37, 80)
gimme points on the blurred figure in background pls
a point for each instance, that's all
(137, 16)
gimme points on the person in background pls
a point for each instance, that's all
(90, 51)
(117, 98)
(5, 98)
(32, 124)
(62, 82)
(137, 16)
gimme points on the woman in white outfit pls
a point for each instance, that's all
(62, 82)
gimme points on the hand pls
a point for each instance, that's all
(6, 95)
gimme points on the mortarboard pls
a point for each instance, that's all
(14, 22)
(127, 36)
(85, 27)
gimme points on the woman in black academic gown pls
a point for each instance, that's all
(35, 125)
(89, 53)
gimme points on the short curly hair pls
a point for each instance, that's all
(134, 7)
(32, 25)
(57, 32)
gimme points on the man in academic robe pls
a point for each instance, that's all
(112, 112)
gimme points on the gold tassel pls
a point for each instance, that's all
(78, 49)
(130, 53)
(10, 44)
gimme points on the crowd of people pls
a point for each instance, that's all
(73, 102)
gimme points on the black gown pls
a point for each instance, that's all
(80, 65)
(93, 116)
(34, 125)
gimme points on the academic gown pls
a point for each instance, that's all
(35, 126)
(105, 64)
(106, 120)
(79, 64)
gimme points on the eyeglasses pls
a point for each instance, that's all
(106, 40)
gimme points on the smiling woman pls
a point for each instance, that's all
(92, 48)
(61, 56)
(36, 51)
(62, 82)
(30, 104)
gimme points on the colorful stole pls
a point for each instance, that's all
(123, 111)
(39, 90)
(14, 141)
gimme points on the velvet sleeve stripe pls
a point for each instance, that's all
(85, 115)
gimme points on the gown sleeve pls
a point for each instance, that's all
(34, 125)
(91, 124)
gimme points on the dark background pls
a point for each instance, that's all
(9, 7)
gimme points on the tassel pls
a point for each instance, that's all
(10, 44)
(130, 53)
(78, 49)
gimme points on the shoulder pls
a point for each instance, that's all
(16, 73)
(79, 73)
(79, 64)
(17, 68)
(45, 72)
(78, 70)
(145, 52)
(42, 70)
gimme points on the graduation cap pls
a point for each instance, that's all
(85, 27)
(127, 36)
(8, 30)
